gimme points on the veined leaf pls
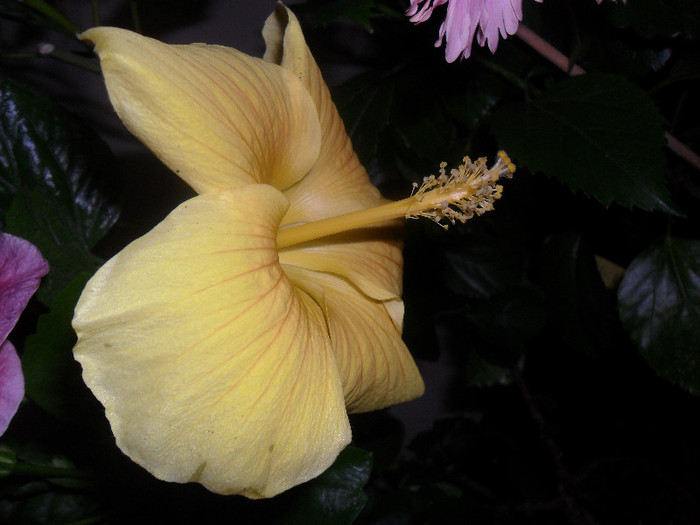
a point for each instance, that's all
(51, 373)
(365, 103)
(336, 497)
(598, 134)
(57, 184)
(659, 17)
(582, 309)
(324, 12)
(659, 303)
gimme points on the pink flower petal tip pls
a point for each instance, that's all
(11, 384)
(21, 270)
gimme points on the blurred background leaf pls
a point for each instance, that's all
(650, 18)
(597, 133)
(335, 497)
(58, 184)
(53, 377)
(659, 302)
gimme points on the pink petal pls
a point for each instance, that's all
(11, 384)
(487, 20)
(460, 25)
(21, 269)
(499, 18)
(421, 16)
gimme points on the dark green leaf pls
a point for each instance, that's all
(684, 67)
(659, 303)
(321, 13)
(580, 306)
(52, 377)
(55, 235)
(57, 183)
(43, 506)
(620, 56)
(365, 103)
(659, 17)
(597, 133)
(45, 489)
(336, 497)
(8, 460)
(380, 433)
(480, 372)
(486, 262)
(509, 319)
(499, 327)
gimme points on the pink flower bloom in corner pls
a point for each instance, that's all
(465, 19)
(487, 20)
(21, 270)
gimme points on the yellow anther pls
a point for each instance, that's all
(469, 189)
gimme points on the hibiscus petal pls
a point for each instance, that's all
(11, 384)
(375, 366)
(217, 117)
(211, 365)
(369, 258)
(21, 270)
(337, 183)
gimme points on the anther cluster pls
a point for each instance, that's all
(470, 189)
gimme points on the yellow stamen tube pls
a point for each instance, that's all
(469, 189)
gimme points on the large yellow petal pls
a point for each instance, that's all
(337, 183)
(375, 366)
(211, 365)
(370, 258)
(217, 117)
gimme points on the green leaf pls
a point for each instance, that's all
(321, 13)
(55, 236)
(611, 53)
(509, 319)
(659, 304)
(498, 329)
(581, 308)
(480, 372)
(668, 18)
(597, 133)
(52, 376)
(8, 460)
(365, 103)
(336, 497)
(45, 488)
(379, 432)
(685, 67)
(488, 260)
(57, 184)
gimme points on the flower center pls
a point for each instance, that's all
(468, 190)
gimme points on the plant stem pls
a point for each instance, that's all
(135, 18)
(4, 55)
(96, 13)
(577, 514)
(31, 469)
(503, 72)
(560, 60)
(47, 50)
(98, 518)
(52, 14)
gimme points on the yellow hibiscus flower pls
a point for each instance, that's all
(228, 344)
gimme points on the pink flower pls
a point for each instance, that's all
(21, 269)
(465, 19)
